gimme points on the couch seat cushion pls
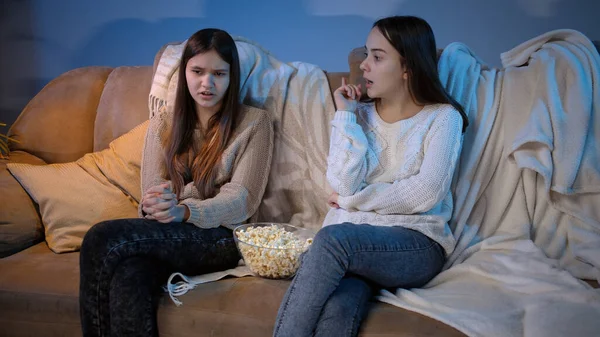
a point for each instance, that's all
(39, 297)
(39, 293)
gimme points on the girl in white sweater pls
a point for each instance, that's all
(391, 162)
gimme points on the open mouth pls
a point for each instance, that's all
(206, 94)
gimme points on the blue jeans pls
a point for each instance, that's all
(345, 265)
(124, 263)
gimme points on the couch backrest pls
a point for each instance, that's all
(124, 100)
(83, 110)
(58, 123)
(123, 104)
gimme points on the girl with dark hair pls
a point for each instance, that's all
(204, 170)
(390, 165)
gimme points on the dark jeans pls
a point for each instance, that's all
(344, 266)
(125, 262)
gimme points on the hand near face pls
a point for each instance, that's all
(346, 96)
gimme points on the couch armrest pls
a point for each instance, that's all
(20, 224)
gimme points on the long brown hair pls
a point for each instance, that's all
(413, 38)
(184, 161)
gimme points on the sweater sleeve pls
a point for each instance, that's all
(239, 198)
(346, 162)
(422, 191)
(153, 166)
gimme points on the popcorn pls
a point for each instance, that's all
(271, 251)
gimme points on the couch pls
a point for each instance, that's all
(81, 112)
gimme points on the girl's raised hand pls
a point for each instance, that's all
(346, 96)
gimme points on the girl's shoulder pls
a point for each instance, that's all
(247, 109)
(160, 124)
(444, 113)
(442, 108)
(250, 116)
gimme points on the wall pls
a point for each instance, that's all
(40, 39)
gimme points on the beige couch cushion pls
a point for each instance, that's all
(49, 305)
(58, 123)
(20, 225)
(39, 293)
(74, 196)
(123, 104)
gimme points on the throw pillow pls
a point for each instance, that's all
(74, 196)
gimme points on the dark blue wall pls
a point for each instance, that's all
(40, 39)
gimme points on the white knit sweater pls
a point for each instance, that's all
(395, 174)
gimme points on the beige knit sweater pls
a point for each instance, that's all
(243, 172)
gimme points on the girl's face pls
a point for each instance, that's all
(384, 74)
(207, 77)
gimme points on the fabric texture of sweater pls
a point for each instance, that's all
(395, 174)
(242, 176)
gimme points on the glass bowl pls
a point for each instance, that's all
(272, 250)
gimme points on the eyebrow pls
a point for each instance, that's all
(203, 69)
(376, 49)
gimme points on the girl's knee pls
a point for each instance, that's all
(337, 234)
(99, 234)
(336, 231)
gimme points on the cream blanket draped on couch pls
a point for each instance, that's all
(527, 191)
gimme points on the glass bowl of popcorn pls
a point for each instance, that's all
(272, 250)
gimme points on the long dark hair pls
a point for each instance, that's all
(184, 161)
(413, 38)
